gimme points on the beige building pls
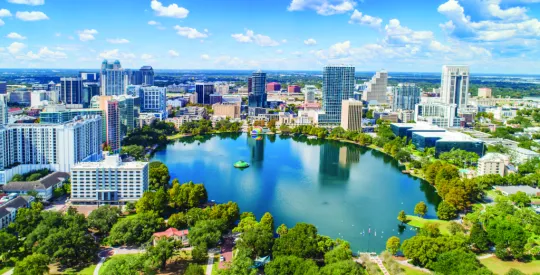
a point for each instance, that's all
(351, 115)
(484, 92)
(226, 110)
(493, 163)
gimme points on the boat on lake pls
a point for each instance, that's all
(241, 164)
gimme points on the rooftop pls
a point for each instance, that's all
(523, 151)
(41, 184)
(447, 136)
(509, 190)
(494, 157)
(171, 232)
(18, 202)
(112, 161)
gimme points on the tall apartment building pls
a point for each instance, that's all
(143, 76)
(493, 163)
(154, 100)
(249, 85)
(30, 146)
(455, 86)
(351, 115)
(4, 110)
(3, 87)
(110, 181)
(90, 89)
(376, 88)
(309, 96)
(258, 96)
(338, 85)
(71, 90)
(113, 80)
(128, 113)
(406, 96)
(111, 112)
(204, 90)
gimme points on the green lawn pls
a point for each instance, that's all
(419, 222)
(5, 269)
(412, 271)
(501, 267)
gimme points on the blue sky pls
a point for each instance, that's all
(493, 36)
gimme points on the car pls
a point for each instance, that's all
(221, 258)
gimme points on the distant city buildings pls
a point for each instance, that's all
(338, 85)
(204, 90)
(154, 100)
(258, 96)
(71, 90)
(376, 88)
(273, 87)
(484, 92)
(406, 96)
(113, 78)
(351, 115)
(3, 87)
(294, 89)
(110, 181)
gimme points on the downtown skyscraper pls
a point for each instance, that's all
(258, 96)
(455, 86)
(338, 85)
(113, 78)
(71, 90)
(406, 96)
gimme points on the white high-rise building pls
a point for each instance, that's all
(376, 88)
(154, 100)
(351, 115)
(338, 85)
(3, 110)
(113, 78)
(30, 146)
(110, 181)
(455, 85)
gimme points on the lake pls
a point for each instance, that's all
(345, 190)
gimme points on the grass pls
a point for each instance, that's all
(5, 269)
(412, 271)
(53, 269)
(498, 266)
(420, 222)
(176, 136)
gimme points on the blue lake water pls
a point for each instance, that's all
(344, 189)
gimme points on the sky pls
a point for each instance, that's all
(492, 36)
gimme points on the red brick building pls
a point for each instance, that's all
(273, 87)
(294, 89)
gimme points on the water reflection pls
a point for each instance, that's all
(256, 146)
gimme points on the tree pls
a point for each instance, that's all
(402, 217)
(177, 221)
(508, 236)
(187, 195)
(520, 199)
(291, 265)
(206, 232)
(103, 218)
(8, 246)
(200, 253)
(267, 221)
(457, 262)
(455, 228)
(392, 245)
(135, 151)
(229, 212)
(159, 175)
(423, 250)
(135, 230)
(69, 246)
(430, 229)
(160, 252)
(420, 209)
(259, 240)
(338, 254)
(35, 264)
(479, 238)
(343, 267)
(446, 211)
(27, 219)
(194, 269)
(282, 230)
(123, 265)
(300, 241)
(152, 201)
(130, 207)
(514, 271)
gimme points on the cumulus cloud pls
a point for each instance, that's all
(323, 7)
(15, 47)
(14, 35)
(310, 42)
(364, 19)
(31, 16)
(250, 37)
(146, 56)
(87, 34)
(28, 2)
(172, 10)
(190, 33)
(5, 13)
(118, 41)
(205, 57)
(399, 35)
(43, 54)
(153, 23)
(116, 54)
(173, 53)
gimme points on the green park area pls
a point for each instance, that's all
(499, 266)
(420, 222)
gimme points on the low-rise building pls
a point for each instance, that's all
(44, 186)
(511, 190)
(10, 205)
(227, 110)
(521, 155)
(173, 233)
(110, 181)
(492, 164)
(447, 141)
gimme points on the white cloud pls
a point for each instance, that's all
(31, 15)
(190, 33)
(2, 22)
(15, 47)
(146, 56)
(173, 10)
(28, 2)
(205, 57)
(323, 7)
(364, 19)
(284, 41)
(153, 23)
(251, 37)
(116, 54)
(398, 34)
(280, 51)
(310, 42)
(297, 53)
(5, 13)
(43, 54)
(118, 41)
(14, 35)
(173, 53)
(439, 47)
(87, 35)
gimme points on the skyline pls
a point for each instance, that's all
(493, 36)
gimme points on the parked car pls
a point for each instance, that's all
(221, 258)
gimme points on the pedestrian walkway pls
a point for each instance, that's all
(98, 266)
(210, 264)
(9, 272)
(379, 263)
